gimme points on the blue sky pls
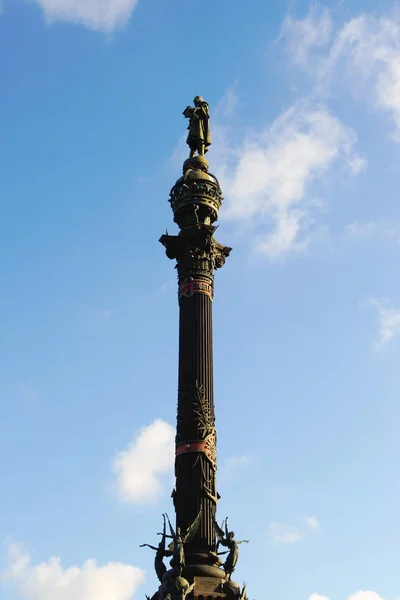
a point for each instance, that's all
(305, 103)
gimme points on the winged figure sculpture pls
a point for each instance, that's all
(179, 540)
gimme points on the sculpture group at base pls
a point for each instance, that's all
(173, 585)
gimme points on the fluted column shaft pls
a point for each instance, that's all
(195, 472)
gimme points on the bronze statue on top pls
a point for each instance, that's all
(198, 138)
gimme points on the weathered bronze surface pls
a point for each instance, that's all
(227, 538)
(198, 138)
(161, 553)
(196, 568)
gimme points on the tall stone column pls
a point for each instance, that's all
(195, 200)
(196, 568)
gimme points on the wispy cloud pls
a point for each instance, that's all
(139, 468)
(167, 286)
(388, 322)
(362, 55)
(303, 37)
(313, 524)
(365, 595)
(361, 595)
(283, 533)
(228, 104)
(51, 581)
(359, 230)
(100, 15)
(267, 181)
(235, 463)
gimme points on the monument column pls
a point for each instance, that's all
(195, 200)
(196, 567)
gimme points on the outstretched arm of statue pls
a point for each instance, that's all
(149, 546)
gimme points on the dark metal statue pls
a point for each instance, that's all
(179, 539)
(161, 553)
(227, 538)
(198, 138)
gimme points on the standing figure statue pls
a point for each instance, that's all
(178, 542)
(198, 138)
(227, 538)
(161, 553)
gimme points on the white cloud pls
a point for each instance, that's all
(357, 596)
(357, 164)
(363, 55)
(370, 47)
(100, 15)
(234, 463)
(266, 182)
(359, 230)
(228, 104)
(50, 581)
(305, 35)
(284, 534)
(313, 524)
(388, 323)
(361, 595)
(139, 468)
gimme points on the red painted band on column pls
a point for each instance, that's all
(196, 446)
(207, 447)
(189, 288)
